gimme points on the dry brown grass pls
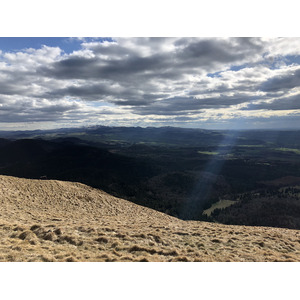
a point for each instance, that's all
(62, 221)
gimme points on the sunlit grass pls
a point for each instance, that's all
(251, 146)
(296, 151)
(208, 152)
(220, 204)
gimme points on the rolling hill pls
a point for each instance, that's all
(50, 220)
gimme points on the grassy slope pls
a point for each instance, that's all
(64, 221)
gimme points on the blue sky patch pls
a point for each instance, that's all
(68, 45)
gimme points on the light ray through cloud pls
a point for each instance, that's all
(202, 191)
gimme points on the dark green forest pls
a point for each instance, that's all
(181, 172)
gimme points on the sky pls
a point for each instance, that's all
(211, 83)
(202, 83)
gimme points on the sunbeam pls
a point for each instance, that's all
(208, 177)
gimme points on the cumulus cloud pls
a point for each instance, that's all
(142, 79)
(284, 103)
(287, 81)
(180, 105)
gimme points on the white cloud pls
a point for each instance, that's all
(143, 80)
(281, 46)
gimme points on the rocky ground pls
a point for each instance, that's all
(49, 220)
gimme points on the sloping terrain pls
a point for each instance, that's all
(53, 220)
(181, 181)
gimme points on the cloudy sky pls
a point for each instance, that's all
(188, 82)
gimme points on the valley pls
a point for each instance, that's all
(180, 172)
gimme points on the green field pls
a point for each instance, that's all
(296, 151)
(251, 146)
(208, 152)
(220, 204)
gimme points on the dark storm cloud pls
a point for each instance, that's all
(73, 67)
(206, 53)
(286, 103)
(222, 88)
(140, 102)
(16, 84)
(178, 105)
(28, 111)
(124, 63)
(9, 89)
(95, 92)
(59, 108)
(124, 71)
(90, 92)
(284, 82)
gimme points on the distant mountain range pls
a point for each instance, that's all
(165, 135)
